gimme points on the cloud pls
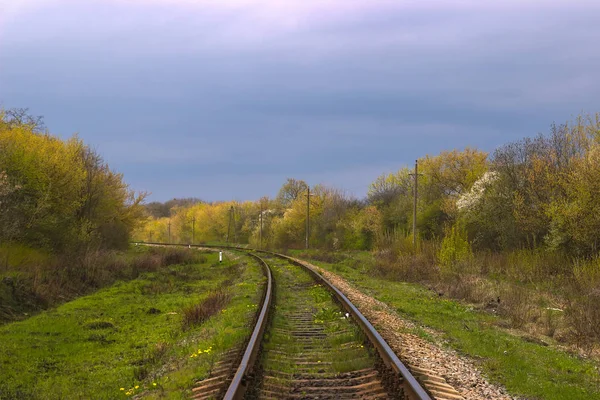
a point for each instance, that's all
(235, 96)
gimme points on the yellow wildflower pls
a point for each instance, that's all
(122, 389)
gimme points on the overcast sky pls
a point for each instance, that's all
(225, 99)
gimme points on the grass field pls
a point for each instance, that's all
(130, 338)
(525, 368)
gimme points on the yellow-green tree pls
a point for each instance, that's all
(63, 196)
(445, 178)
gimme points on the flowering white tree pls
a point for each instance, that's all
(471, 198)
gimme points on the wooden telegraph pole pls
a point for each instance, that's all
(233, 224)
(416, 191)
(229, 224)
(193, 230)
(261, 225)
(169, 231)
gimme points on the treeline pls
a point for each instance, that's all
(337, 221)
(59, 195)
(516, 231)
(540, 192)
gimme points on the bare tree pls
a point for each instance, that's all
(291, 190)
(20, 117)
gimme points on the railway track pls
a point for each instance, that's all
(309, 342)
(312, 349)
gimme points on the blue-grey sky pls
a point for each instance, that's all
(225, 99)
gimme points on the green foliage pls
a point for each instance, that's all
(455, 248)
(391, 194)
(58, 194)
(587, 273)
(543, 193)
(533, 194)
(445, 178)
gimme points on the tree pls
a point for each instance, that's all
(291, 190)
(67, 198)
(20, 117)
(445, 178)
(538, 187)
(449, 175)
(391, 194)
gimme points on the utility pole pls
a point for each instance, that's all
(193, 230)
(415, 204)
(169, 231)
(307, 215)
(233, 224)
(231, 220)
(229, 224)
(261, 226)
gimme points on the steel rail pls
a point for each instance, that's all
(238, 385)
(412, 387)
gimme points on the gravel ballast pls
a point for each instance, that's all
(458, 371)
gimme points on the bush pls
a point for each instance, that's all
(516, 304)
(583, 316)
(400, 261)
(455, 248)
(587, 273)
(583, 310)
(173, 255)
(196, 314)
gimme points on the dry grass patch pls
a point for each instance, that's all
(196, 314)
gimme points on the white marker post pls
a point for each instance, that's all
(220, 256)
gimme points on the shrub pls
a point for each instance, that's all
(455, 248)
(173, 255)
(516, 304)
(401, 262)
(196, 314)
(583, 316)
(583, 309)
(587, 272)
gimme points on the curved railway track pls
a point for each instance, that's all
(309, 342)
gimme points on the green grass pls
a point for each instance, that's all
(524, 368)
(129, 336)
(32, 281)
